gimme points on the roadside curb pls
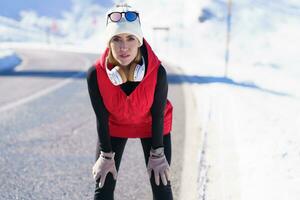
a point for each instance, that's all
(193, 143)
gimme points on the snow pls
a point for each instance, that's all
(252, 114)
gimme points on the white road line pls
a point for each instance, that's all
(44, 91)
(205, 123)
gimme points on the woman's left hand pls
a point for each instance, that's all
(160, 166)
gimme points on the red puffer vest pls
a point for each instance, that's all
(130, 116)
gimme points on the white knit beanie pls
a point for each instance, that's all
(123, 26)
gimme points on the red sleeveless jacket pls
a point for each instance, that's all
(130, 116)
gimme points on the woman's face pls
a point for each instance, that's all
(124, 48)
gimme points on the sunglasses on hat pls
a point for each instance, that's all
(117, 16)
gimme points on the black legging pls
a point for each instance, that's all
(160, 192)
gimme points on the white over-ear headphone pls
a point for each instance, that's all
(117, 75)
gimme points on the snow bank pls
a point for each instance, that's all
(8, 60)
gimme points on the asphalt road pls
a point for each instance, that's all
(48, 133)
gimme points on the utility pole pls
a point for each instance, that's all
(229, 5)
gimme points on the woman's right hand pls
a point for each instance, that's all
(103, 166)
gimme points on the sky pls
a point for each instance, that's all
(53, 8)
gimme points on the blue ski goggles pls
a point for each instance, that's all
(117, 16)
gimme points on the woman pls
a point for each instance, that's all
(128, 90)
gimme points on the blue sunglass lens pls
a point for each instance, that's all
(131, 16)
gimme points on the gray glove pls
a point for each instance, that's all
(103, 166)
(160, 166)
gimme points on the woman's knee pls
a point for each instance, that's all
(161, 191)
(107, 191)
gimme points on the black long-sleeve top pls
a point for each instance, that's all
(157, 108)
